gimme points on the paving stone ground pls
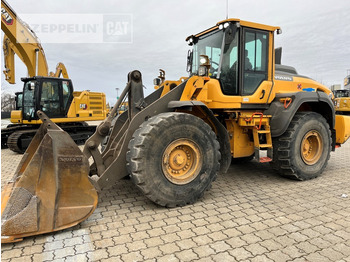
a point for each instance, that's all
(250, 214)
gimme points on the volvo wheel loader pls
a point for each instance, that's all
(235, 103)
(43, 90)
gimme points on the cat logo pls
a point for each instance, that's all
(6, 16)
(83, 106)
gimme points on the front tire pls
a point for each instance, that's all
(173, 158)
(303, 151)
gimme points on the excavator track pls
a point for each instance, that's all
(20, 140)
(17, 137)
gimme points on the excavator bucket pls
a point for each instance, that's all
(50, 190)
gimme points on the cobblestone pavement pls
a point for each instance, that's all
(250, 214)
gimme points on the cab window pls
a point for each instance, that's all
(66, 93)
(50, 98)
(255, 60)
(28, 101)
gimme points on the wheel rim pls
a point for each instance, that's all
(311, 147)
(182, 161)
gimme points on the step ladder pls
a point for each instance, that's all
(260, 124)
(264, 135)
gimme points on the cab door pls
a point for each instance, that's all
(256, 82)
(51, 100)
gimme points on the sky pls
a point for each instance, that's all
(315, 38)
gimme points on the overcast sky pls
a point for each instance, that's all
(315, 38)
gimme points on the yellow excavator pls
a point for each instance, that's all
(43, 90)
(342, 98)
(237, 102)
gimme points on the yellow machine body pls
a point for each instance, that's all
(342, 127)
(85, 106)
(342, 98)
(342, 105)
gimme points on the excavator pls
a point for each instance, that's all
(238, 101)
(342, 98)
(43, 90)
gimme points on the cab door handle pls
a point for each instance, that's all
(262, 94)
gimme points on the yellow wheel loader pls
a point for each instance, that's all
(236, 103)
(342, 102)
(342, 98)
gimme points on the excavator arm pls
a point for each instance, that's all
(10, 49)
(21, 40)
(24, 41)
(9, 60)
(60, 70)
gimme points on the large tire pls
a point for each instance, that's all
(303, 151)
(173, 158)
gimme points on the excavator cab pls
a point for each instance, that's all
(48, 94)
(341, 93)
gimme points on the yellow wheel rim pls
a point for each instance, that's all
(311, 147)
(182, 161)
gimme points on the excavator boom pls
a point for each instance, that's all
(26, 44)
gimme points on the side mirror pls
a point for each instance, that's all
(189, 60)
(156, 82)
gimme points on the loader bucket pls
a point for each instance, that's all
(50, 190)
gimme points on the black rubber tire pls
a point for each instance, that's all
(146, 148)
(287, 148)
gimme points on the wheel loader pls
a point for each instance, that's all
(342, 98)
(236, 103)
(342, 102)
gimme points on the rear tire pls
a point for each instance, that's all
(173, 158)
(302, 152)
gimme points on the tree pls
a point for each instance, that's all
(7, 102)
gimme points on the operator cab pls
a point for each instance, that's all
(341, 93)
(49, 94)
(238, 55)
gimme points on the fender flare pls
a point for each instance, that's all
(281, 116)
